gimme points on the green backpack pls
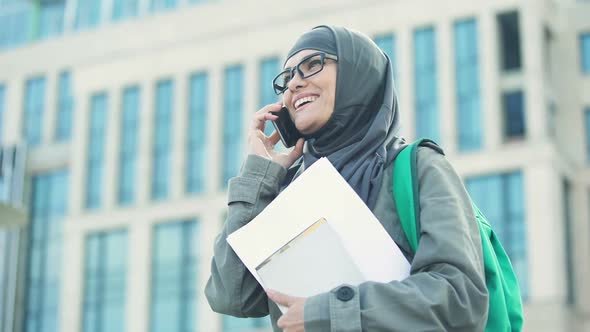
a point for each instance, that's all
(505, 305)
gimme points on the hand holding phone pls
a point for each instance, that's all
(286, 128)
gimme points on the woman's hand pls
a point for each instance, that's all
(264, 146)
(292, 320)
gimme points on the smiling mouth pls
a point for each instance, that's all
(301, 103)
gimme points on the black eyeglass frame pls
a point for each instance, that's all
(323, 56)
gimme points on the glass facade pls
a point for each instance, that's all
(128, 149)
(123, 9)
(235, 324)
(50, 18)
(269, 68)
(96, 150)
(467, 85)
(387, 43)
(197, 133)
(513, 108)
(501, 199)
(15, 23)
(88, 13)
(105, 284)
(233, 103)
(174, 277)
(164, 104)
(43, 280)
(162, 5)
(585, 52)
(65, 108)
(509, 35)
(426, 86)
(34, 105)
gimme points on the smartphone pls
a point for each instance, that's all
(286, 128)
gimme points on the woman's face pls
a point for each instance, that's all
(319, 89)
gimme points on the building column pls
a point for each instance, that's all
(405, 71)
(145, 147)
(491, 108)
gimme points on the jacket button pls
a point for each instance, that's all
(345, 293)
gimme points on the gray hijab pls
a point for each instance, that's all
(361, 136)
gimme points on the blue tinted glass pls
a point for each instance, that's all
(467, 85)
(513, 105)
(124, 8)
(34, 110)
(2, 107)
(47, 210)
(162, 5)
(88, 13)
(232, 122)
(16, 24)
(65, 106)
(105, 282)
(96, 147)
(426, 94)
(162, 139)
(51, 19)
(128, 148)
(269, 68)
(387, 43)
(587, 121)
(174, 277)
(501, 199)
(585, 52)
(197, 133)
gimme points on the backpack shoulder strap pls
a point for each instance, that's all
(405, 189)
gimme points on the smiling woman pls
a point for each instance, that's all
(338, 88)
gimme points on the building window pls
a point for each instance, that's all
(235, 324)
(51, 18)
(585, 52)
(124, 9)
(501, 199)
(174, 277)
(197, 133)
(34, 109)
(469, 126)
(387, 43)
(2, 107)
(269, 68)
(513, 107)
(129, 145)
(162, 139)
(43, 283)
(96, 150)
(587, 122)
(162, 5)
(105, 273)
(88, 13)
(509, 34)
(232, 122)
(65, 106)
(426, 86)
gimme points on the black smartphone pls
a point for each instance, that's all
(286, 128)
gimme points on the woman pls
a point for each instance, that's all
(345, 106)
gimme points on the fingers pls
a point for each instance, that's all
(298, 150)
(280, 298)
(259, 120)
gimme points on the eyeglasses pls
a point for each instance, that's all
(309, 66)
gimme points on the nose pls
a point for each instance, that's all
(296, 81)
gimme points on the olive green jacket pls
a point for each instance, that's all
(446, 290)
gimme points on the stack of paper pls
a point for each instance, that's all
(316, 235)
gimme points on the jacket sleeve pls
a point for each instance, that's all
(231, 288)
(446, 288)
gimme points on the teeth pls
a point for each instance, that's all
(304, 99)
